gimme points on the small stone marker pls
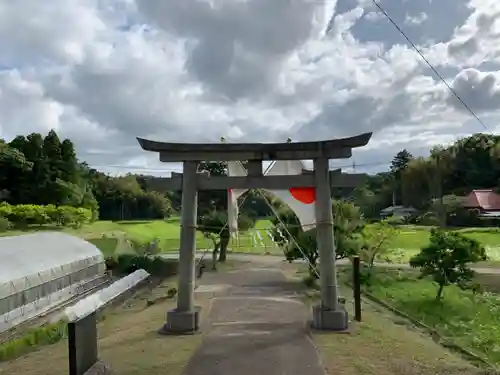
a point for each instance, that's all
(82, 344)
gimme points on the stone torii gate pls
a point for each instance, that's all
(328, 315)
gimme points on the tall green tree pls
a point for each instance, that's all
(399, 164)
(53, 155)
(14, 167)
(418, 181)
(70, 169)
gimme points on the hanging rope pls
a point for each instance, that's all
(302, 252)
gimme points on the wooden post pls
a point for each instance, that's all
(356, 285)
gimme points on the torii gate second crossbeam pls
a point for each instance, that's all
(328, 315)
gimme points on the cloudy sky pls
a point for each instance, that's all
(103, 72)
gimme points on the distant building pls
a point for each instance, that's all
(398, 211)
(484, 201)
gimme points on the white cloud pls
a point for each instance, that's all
(104, 72)
(416, 20)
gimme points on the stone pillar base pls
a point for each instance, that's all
(330, 320)
(182, 322)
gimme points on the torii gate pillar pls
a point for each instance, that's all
(185, 318)
(329, 314)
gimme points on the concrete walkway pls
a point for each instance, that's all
(256, 325)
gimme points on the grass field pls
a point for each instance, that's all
(410, 239)
(109, 236)
(414, 237)
(382, 344)
(471, 321)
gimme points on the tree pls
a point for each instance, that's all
(375, 195)
(399, 164)
(299, 244)
(367, 202)
(39, 178)
(416, 183)
(377, 238)
(472, 162)
(70, 170)
(212, 200)
(294, 241)
(14, 167)
(52, 154)
(400, 161)
(446, 259)
(214, 226)
(452, 206)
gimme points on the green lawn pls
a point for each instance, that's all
(109, 236)
(472, 321)
(411, 239)
(245, 243)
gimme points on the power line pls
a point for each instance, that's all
(429, 64)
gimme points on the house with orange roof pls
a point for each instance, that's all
(486, 202)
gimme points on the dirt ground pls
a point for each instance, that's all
(128, 340)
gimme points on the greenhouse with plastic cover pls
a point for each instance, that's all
(41, 270)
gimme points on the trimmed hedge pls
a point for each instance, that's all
(22, 215)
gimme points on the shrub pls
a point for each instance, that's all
(447, 258)
(396, 220)
(111, 263)
(156, 266)
(5, 224)
(44, 335)
(22, 215)
(310, 281)
(299, 244)
(429, 218)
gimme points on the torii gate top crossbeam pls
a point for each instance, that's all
(333, 149)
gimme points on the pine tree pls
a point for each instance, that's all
(399, 164)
